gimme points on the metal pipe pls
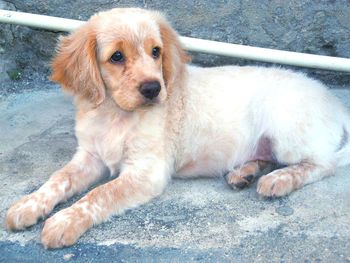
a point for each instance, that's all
(194, 44)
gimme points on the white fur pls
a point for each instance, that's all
(226, 110)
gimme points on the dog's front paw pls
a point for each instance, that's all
(26, 212)
(276, 184)
(65, 227)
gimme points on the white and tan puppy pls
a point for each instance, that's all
(144, 114)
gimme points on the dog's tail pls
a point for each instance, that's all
(343, 150)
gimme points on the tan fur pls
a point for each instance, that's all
(243, 176)
(72, 222)
(76, 68)
(174, 57)
(63, 184)
(283, 181)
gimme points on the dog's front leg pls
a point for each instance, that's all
(133, 187)
(82, 171)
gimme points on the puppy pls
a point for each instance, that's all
(144, 114)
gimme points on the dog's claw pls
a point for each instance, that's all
(241, 185)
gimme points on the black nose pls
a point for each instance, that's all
(150, 90)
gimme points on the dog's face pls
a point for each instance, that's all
(131, 55)
(130, 59)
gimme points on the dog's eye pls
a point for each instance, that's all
(156, 52)
(117, 57)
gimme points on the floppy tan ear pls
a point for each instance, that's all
(75, 66)
(174, 56)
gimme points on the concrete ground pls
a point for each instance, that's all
(194, 220)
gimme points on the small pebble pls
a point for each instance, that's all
(68, 256)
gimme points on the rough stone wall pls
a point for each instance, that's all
(318, 27)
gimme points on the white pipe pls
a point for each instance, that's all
(267, 55)
(194, 44)
(39, 21)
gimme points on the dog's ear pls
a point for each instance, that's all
(75, 66)
(174, 56)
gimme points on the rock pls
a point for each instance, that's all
(67, 257)
(320, 28)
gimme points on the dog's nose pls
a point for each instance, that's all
(150, 90)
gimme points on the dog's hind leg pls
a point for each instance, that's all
(243, 176)
(283, 181)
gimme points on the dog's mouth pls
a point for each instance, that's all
(151, 102)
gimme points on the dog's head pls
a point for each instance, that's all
(131, 55)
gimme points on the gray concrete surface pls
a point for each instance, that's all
(198, 220)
